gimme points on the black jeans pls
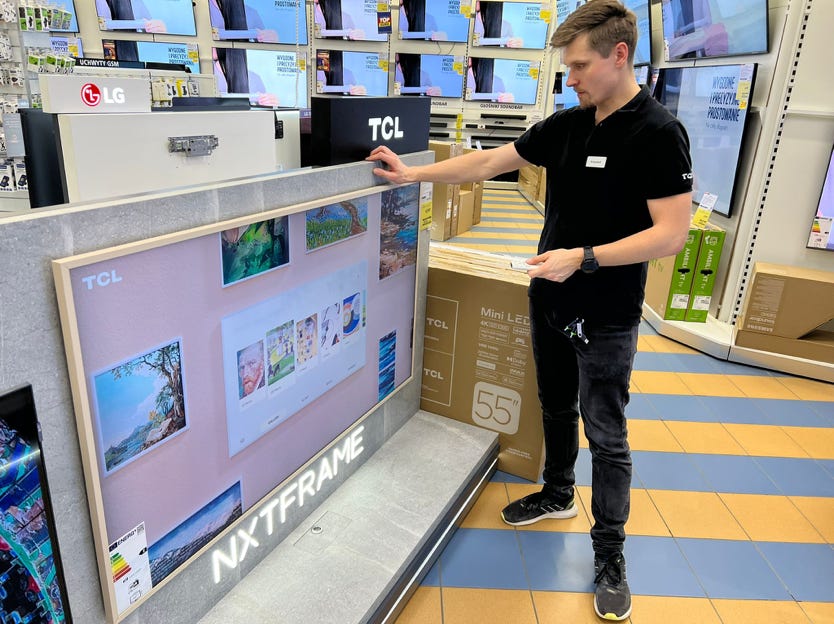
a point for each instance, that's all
(592, 380)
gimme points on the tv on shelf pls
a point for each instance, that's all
(171, 17)
(269, 78)
(565, 97)
(265, 21)
(641, 8)
(820, 236)
(354, 20)
(351, 73)
(154, 52)
(712, 103)
(511, 25)
(435, 75)
(502, 80)
(713, 28)
(434, 20)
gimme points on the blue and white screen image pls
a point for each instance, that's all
(503, 80)
(429, 74)
(511, 25)
(643, 53)
(178, 53)
(72, 26)
(357, 73)
(264, 21)
(279, 75)
(710, 28)
(172, 17)
(433, 20)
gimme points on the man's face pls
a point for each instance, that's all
(251, 370)
(591, 75)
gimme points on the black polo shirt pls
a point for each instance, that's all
(599, 178)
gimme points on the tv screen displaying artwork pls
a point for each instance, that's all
(641, 8)
(712, 103)
(434, 20)
(710, 28)
(172, 17)
(351, 73)
(435, 75)
(511, 24)
(502, 80)
(265, 21)
(820, 236)
(268, 78)
(154, 52)
(32, 588)
(355, 20)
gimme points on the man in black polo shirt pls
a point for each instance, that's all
(619, 181)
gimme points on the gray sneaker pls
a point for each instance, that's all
(612, 598)
(535, 507)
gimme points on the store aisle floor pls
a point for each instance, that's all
(732, 516)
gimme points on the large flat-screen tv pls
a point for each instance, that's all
(153, 52)
(820, 236)
(710, 28)
(435, 75)
(351, 73)
(712, 103)
(641, 8)
(268, 78)
(434, 20)
(356, 20)
(265, 21)
(511, 24)
(67, 23)
(173, 17)
(32, 588)
(502, 80)
(565, 97)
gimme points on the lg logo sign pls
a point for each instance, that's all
(92, 95)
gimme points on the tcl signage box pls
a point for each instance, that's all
(346, 129)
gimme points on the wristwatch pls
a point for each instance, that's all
(589, 261)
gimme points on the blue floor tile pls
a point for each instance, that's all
(504, 477)
(807, 569)
(667, 471)
(650, 361)
(785, 412)
(640, 406)
(828, 466)
(558, 561)
(734, 474)
(583, 467)
(824, 409)
(732, 570)
(432, 577)
(656, 567)
(681, 408)
(736, 410)
(694, 363)
(483, 558)
(731, 368)
(797, 477)
(644, 329)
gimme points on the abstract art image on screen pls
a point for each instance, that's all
(387, 358)
(337, 222)
(398, 230)
(253, 249)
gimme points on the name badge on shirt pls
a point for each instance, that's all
(597, 162)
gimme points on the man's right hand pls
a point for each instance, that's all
(397, 172)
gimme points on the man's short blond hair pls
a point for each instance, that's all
(606, 22)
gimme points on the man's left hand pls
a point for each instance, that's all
(556, 265)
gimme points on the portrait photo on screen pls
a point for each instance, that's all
(434, 20)
(355, 20)
(712, 103)
(820, 236)
(268, 78)
(173, 17)
(510, 24)
(435, 75)
(153, 52)
(502, 80)
(710, 28)
(641, 9)
(264, 21)
(351, 73)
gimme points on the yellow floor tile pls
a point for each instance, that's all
(809, 389)
(633, 387)
(696, 514)
(498, 236)
(644, 518)
(765, 440)
(487, 606)
(651, 435)
(817, 442)
(819, 512)
(709, 384)
(819, 612)
(659, 382)
(564, 607)
(644, 344)
(423, 607)
(669, 610)
(579, 524)
(661, 344)
(771, 518)
(758, 611)
(759, 387)
(486, 512)
(697, 437)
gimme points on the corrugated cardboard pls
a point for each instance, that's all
(466, 210)
(444, 210)
(670, 280)
(816, 345)
(703, 277)
(478, 363)
(478, 190)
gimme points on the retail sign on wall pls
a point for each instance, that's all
(94, 94)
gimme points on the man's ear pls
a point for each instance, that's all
(621, 54)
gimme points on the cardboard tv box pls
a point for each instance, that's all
(466, 211)
(445, 197)
(789, 310)
(477, 361)
(669, 280)
(703, 276)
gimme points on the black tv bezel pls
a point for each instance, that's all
(766, 50)
(745, 123)
(434, 97)
(22, 416)
(830, 246)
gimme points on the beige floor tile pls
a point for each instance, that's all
(771, 518)
(819, 612)
(659, 382)
(697, 437)
(644, 518)
(710, 384)
(651, 435)
(661, 344)
(696, 514)
(760, 387)
(819, 512)
(765, 440)
(486, 512)
(758, 612)
(487, 606)
(672, 610)
(816, 441)
(809, 389)
(564, 608)
(422, 608)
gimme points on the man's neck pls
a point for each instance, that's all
(616, 102)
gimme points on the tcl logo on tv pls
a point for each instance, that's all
(93, 95)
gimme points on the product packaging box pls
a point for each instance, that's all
(789, 310)
(7, 177)
(477, 361)
(478, 190)
(465, 211)
(703, 277)
(444, 207)
(670, 280)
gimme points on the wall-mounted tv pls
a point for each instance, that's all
(68, 23)
(434, 20)
(436, 75)
(502, 80)
(265, 21)
(351, 73)
(820, 236)
(712, 103)
(511, 24)
(32, 588)
(565, 97)
(356, 20)
(267, 77)
(173, 17)
(641, 8)
(153, 52)
(710, 28)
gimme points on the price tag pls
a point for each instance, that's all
(704, 210)
(302, 63)
(534, 72)
(425, 205)
(457, 66)
(545, 14)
